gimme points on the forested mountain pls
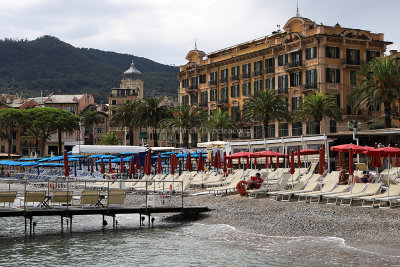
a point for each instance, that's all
(52, 66)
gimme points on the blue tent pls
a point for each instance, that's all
(24, 164)
(28, 159)
(49, 165)
(96, 156)
(78, 156)
(182, 155)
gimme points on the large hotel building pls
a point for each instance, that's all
(301, 59)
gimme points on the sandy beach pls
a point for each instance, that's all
(375, 230)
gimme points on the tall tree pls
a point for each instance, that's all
(110, 138)
(66, 122)
(33, 134)
(90, 119)
(9, 118)
(317, 107)
(126, 115)
(379, 84)
(265, 106)
(184, 118)
(221, 123)
(151, 112)
(49, 120)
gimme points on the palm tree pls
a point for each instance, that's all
(110, 138)
(185, 118)
(9, 118)
(89, 119)
(265, 106)
(126, 115)
(151, 112)
(33, 134)
(65, 122)
(317, 107)
(221, 122)
(379, 84)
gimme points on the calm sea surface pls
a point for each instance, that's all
(167, 244)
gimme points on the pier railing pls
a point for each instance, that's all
(104, 193)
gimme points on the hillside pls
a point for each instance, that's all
(52, 66)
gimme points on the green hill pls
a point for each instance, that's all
(52, 66)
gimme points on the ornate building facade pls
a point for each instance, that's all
(301, 59)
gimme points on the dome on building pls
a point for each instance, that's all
(132, 72)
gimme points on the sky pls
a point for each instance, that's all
(165, 30)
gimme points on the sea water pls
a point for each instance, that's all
(166, 244)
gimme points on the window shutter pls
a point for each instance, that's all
(358, 56)
(327, 51)
(338, 75)
(328, 80)
(286, 81)
(273, 83)
(280, 82)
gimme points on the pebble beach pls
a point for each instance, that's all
(374, 230)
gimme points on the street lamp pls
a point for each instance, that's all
(355, 126)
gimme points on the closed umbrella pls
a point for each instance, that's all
(189, 166)
(212, 159)
(122, 165)
(173, 164)
(292, 165)
(247, 163)
(66, 167)
(102, 167)
(321, 161)
(148, 162)
(109, 166)
(132, 167)
(91, 166)
(225, 169)
(200, 164)
(159, 165)
(138, 165)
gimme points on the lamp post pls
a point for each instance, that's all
(79, 138)
(355, 126)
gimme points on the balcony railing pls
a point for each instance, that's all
(283, 91)
(257, 72)
(293, 64)
(120, 95)
(269, 70)
(193, 87)
(213, 82)
(203, 104)
(222, 102)
(345, 61)
(245, 75)
(309, 86)
(234, 78)
(223, 80)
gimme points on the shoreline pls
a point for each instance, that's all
(366, 229)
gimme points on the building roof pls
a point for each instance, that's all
(72, 99)
(132, 72)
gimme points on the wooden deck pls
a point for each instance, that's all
(112, 211)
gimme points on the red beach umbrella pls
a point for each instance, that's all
(212, 158)
(292, 162)
(102, 167)
(132, 166)
(174, 163)
(159, 166)
(122, 165)
(230, 163)
(219, 165)
(91, 166)
(148, 166)
(66, 167)
(321, 161)
(200, 163)
(307, 152)
(138, 165)
(225, 164)
(109, 166)
(189, 166)
(346, 148)
(247, 163)
(298, 157)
